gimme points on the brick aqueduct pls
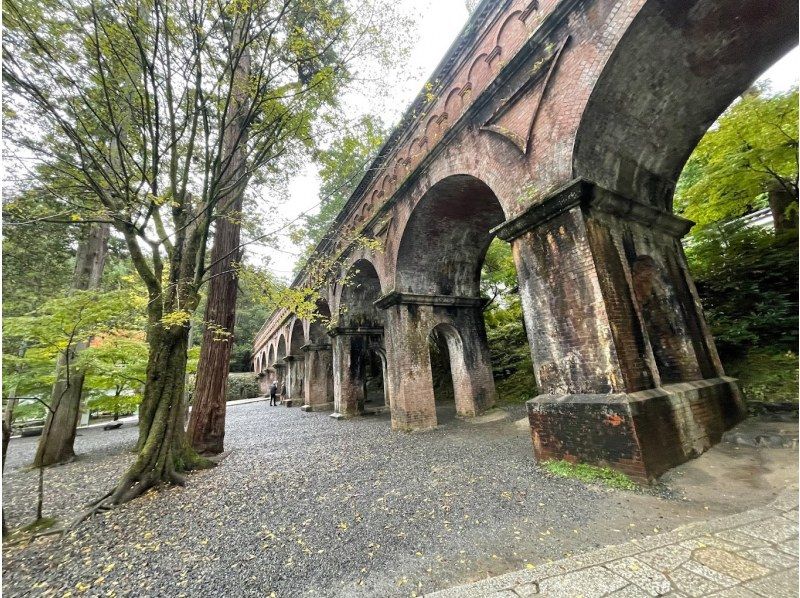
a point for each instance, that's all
(559, 126)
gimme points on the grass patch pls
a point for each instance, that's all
(591, 474)
(766, 375)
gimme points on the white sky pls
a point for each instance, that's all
(441, 22)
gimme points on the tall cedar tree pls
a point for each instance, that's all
(142, 95)
(206, 429)
(57, 442)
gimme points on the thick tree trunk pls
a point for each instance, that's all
(780, 199)
(6, 440)
(56, 444)
(164, 452)
(207, 422)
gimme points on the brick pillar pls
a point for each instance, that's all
(318, 377)
(295, 372)
(265, 380)
(349, 347)
(280, 375)
(410, 320)
(626, 366)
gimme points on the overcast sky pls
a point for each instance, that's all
(441, 22)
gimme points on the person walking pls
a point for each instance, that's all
(273, 393)
(283, 391)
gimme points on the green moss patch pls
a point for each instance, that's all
(590, 474)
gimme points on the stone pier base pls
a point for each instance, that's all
(318, 407)
(642, 434)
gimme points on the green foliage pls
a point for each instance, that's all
(747, 280)
(242, 385)
(29, 410)
(34, 341)
(505, 328)
(115, 367)
(752, 148)
(766, 375)
(37, 263)
(114, 404)
(342, 166)
(590, 474)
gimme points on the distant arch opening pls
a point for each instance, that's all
(360, 335)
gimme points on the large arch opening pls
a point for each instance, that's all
(318, 328)
(295, 368)
(446, 238)
(359, 342)
(675, 70)
(442, 264)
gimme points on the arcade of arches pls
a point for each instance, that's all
(559, 126)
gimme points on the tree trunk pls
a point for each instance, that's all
(164, 452)
(6, 440)
(780, 200)
(56, 445)
(207, 422)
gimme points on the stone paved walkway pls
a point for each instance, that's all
(750, 554)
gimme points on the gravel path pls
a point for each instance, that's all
(308, 506)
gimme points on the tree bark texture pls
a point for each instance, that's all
(163, 450)
(779, 201)
(56, 445)
(206, 429)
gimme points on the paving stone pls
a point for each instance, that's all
(631, 591)
(710, 541)
(726, 581)
(775, 529)
(641, 574)
(737, 592)
(588, 583)
(729, 564)
(742, 539)
(526, 590)
(790, 547)
(692, 584)
(778, 585)
(771, 558)
(667, 558)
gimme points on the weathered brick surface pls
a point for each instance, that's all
(642, 434)
(562, 124)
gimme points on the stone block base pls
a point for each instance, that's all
(641, 434)
(318, 407)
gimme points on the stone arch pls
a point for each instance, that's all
(356, 337)
(270, 355)
(432, 130)
(361, 289)
(444, 241)
(415, 150)
(453, 104)
(296, 337)
(459, 371)
(671, 74)
(510, 34)
(479, 72)
(358, 255)
(280, 349)
(318, 327)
